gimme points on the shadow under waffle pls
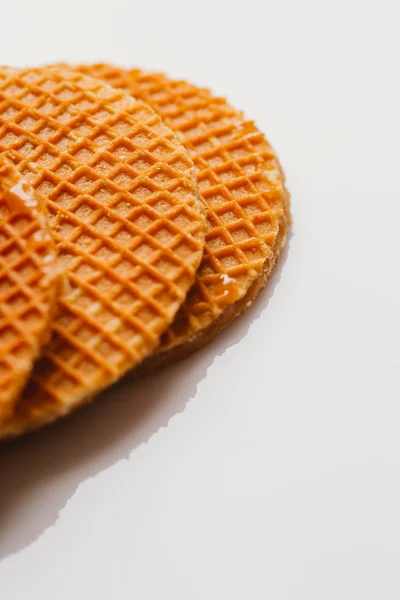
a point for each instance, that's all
(42, 471)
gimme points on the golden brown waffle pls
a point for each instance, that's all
(124, 210)
(28, 284)
(243, 189)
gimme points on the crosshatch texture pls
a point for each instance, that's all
(123, 206)
(28, 284)
(242, 187)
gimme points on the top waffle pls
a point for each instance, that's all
(28, 284)
(124, 210)
(242, 188)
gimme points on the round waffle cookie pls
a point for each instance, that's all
(242, 187)
(125, 213)
(28, 284)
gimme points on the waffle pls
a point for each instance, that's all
(243, 189)
(28, 284)
(124, 209)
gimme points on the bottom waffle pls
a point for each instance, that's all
(163, 359)
(28, 284)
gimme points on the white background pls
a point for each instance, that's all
(267, 465)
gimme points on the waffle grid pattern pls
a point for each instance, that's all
(241, 186)
(123, 206)
(28, 284)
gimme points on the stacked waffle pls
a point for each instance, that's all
(138, 216)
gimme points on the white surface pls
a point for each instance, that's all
(267, 465)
